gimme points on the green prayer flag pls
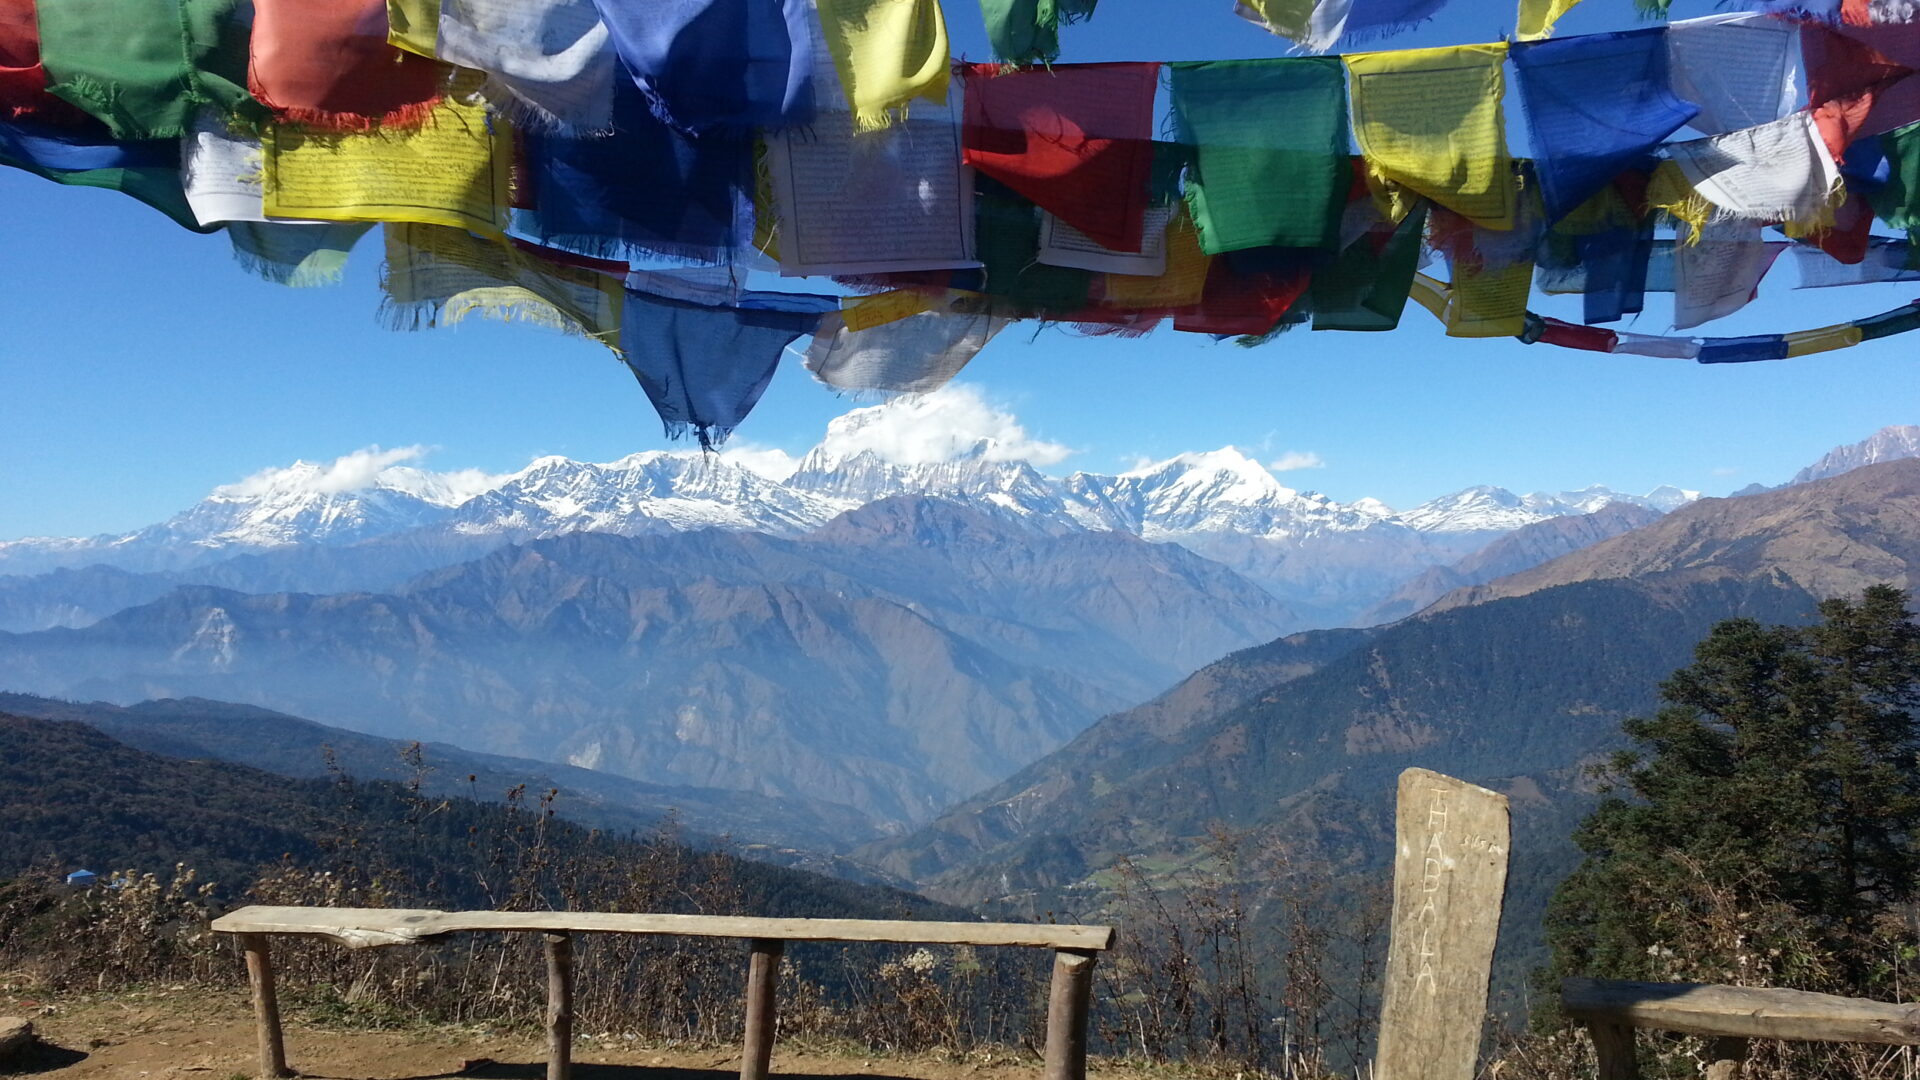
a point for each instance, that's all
(1367, 286)
(1028, 31)
(1007, 243)
(1898, 203)
(1258, 181)
(157, 187)
(144, 67)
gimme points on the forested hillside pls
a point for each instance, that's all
(70, 797)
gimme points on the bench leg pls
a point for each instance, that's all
(763, 973)
(1613, 1050)
(559, 1006)
(1728, 1056)
(1068, 1001)
(266, 1007)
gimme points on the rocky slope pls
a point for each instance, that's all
(1826, 537)
(1515, 684)
(1521, 549)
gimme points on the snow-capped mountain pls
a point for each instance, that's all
(1492, 509)
(1215, 491)
(652, 492)
(1888, 444)
(1330, 559)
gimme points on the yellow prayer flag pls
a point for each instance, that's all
(451, 170)
(1538, 16)
(414, 25)
(766, 209)
(1824, 339)
(1429, 121)
(867, 312)
(1430, 294)
(1291, 19)
(436, 276)
(1185, 278)
(887, 52)
(1489, 303)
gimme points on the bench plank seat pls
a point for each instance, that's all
(1741, 1011)
(360, 928)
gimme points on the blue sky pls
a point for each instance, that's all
(140, 367)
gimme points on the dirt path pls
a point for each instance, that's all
(194, 1035)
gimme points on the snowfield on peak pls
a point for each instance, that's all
(1327, 559)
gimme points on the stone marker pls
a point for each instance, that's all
(16, 1038)
(1449, 878)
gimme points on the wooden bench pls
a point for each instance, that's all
(1730, 1015)
(1074, 949)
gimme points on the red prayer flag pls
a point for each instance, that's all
(23, 81)
(1076, 140)
(327, 64)
(1574, 336)
(1860, 80)
(1243, 304)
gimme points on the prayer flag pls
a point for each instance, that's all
(1537, 17)
(1742, 350)
(1028, 31)
(1860, 81)
(147, 170)
(1240, 303)
(646, 190)
(298, 255)
(23, 79)
(1320, 25)
(549, 63)
(1737, 69)
(1719, 273)
(1429, 121)
(451, 170)
(1008, 241)
(707, 64)
(705, 365)
(887, 52)
(1824, 339)
(1488, 301)
(1076, 140)
(881, 203)
(1366, 288)
(414, 25)
(436, 276)
(143, 67)
(1271, 167)
(1897, 201)
(1595, 104)
(1885, 260)
(1777, 172)
(1183, 283)
(326, 64)
(915, 354)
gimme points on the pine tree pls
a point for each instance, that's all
(1769, 831)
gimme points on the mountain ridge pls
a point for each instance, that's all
(872, 664)
(1513, 686)
(1329, 560)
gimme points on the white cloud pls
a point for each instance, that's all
(938, 427)
(351, 472)
(769, 462)
(1297, 459)
(365, 468)
(1726, 470)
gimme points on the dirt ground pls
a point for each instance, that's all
(193, 1035)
